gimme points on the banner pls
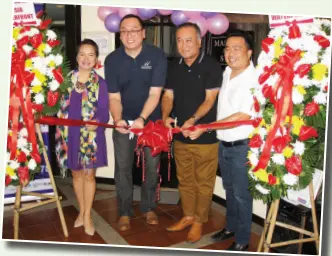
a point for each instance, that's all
(24, 13)
(41, 184)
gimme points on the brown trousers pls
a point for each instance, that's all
(196, 168)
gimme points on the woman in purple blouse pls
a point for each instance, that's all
(85, 147)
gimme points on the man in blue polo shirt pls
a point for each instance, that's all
(135, 75)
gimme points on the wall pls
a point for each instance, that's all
(92, 27)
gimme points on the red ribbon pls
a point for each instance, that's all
(283, 106)
(310, 20)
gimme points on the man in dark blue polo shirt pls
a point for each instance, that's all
(135, 75)
(191, 90)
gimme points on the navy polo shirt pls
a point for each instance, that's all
(189, 85)
(133, 78)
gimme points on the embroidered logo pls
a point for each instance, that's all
(146, 65)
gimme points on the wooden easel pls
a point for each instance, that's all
(271, 222)
(51, 198)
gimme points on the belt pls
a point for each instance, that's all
(235, 143)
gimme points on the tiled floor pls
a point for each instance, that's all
(44, 224)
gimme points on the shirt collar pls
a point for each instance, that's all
(198, 60)
(248, 70)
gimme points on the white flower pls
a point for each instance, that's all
(47, 49)
(14, 165)
(255, 151)
(50, 58)
(262, 132)
(253, 176)
(39, 98)
(309, 58)
(326, 59)
(35, 81)
(22, 142)
(14, 177)
(51, 35)
(23, 132)
(253, 159)
(320, 98)
(264, 191)
(33, 31)
(54, 85)
(290, 179)
(278, 159)
(40, 64)
(302, 81)
(297, 97)
(49, 73)
(299, 147)
(58, 59)
(32, 164)
(26, 150)
(27, 49)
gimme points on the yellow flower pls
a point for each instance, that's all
(301, 89)
(13, 49)
(319, 71)
(262, 175)
(268, 127)
(41, 49)
(249, 154)
(287, 152)
(37, 88)
(39, 75)
(28, 63)
(262, 123)
(10, 171)
(277, 48)
(52, 64)
(16, 32)
(297, 123)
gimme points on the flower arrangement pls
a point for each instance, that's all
(288, 143)
(38, 79)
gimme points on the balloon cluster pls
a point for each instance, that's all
(215, 23)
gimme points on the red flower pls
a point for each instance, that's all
(279, 143)
(37, 107)
(22, 158)
(44, 24)
(25, 29)
(294, 165)
(36, 157)
(263, 77)
(272, 179)
(311, 109)
(294, 31)
(36, 40)
(256, 105)
(257, 121)
(302, 70)
(322, 41)
(23, 174)
(39, 14)
(307, 132)
(53, 43)
(267, 91)
(256, 141)
(33, 54)
(57, 73)
(266, 43)
(52, 98)
(23, 41)
(8, 180)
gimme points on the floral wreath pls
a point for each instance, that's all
(288, 143)
(38, 79)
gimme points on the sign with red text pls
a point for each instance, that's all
(280, 20)
(24, 13)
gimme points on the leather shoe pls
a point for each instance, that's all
(151, 218)
(222, 235)
(181, 224)
(124, 223)
(195, 233)
(238, 247)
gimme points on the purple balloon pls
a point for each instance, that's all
(192, 14)
(201, 23)
(112, 22)
(218, 24)
(178, 17)
(115, 9)
(125, 11)
(146, 14)
(208, 14)
(103, 12)
(165, 12)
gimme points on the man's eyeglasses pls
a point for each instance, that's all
(132, 32)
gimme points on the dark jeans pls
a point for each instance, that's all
(234, 173)
(124, 157)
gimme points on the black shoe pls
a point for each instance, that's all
(238, 247)
(222, 235)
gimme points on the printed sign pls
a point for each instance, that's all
(24, 13)
(279, 20)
